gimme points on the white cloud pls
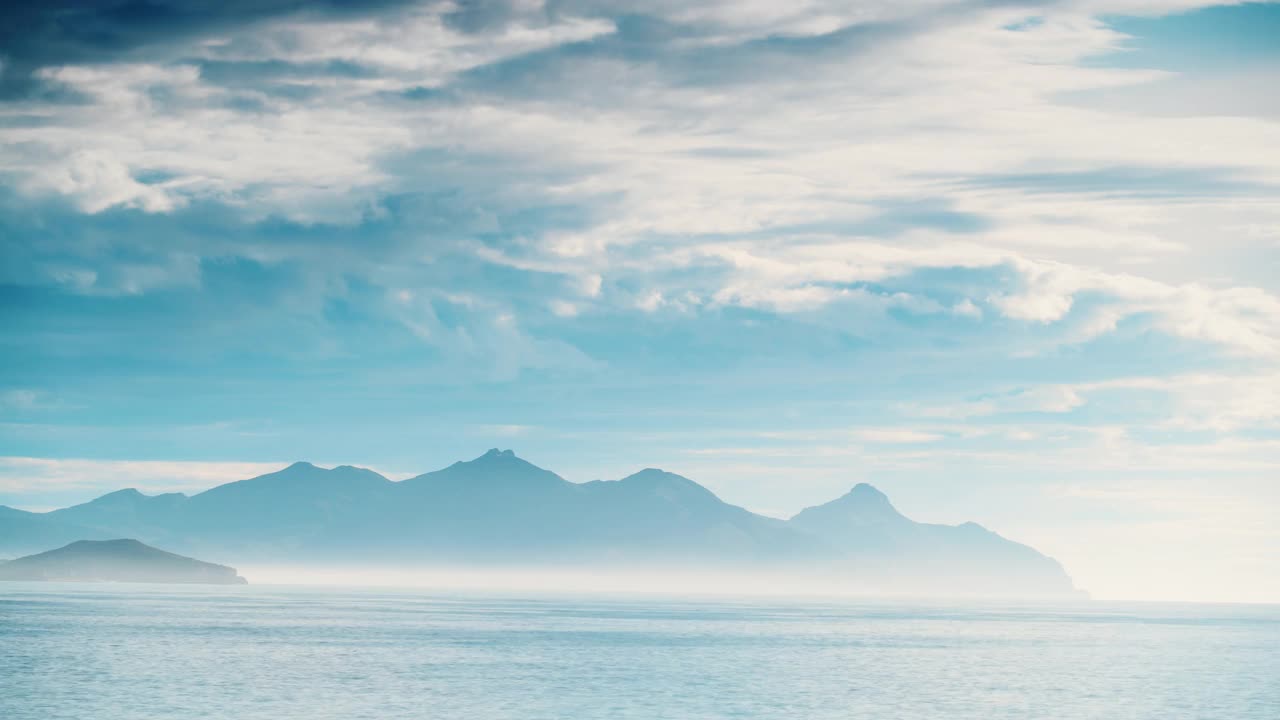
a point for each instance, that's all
(896, 436)
(967, 109)
(1039, 399)
(1048, 297)
(412, 48)
(966, 308)
(650, 301)
(1221, 402)
(505, 430)
(20, 399)
(32, 475)
(1242, 319)
(590, 284)
(1203, 401)
(99, 181)
(564, 309)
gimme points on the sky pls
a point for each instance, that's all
(1011, 262)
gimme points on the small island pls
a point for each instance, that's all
(116, 561)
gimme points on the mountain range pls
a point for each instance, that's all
(499, 510)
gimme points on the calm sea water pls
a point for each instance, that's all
(104, 652)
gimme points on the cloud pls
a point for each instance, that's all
(1204, 401)
(100, 181)
(1224, 403)
(32, 475)
(1042, 399)
(562, 308)
(505, 430)
(667, 160)
(966, 308)
(896, 436)
(21, 399)
(481, 340)
(68, 32)
(558, 164)
(1242, 319)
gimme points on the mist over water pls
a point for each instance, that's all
(113, 652)
(669, 581)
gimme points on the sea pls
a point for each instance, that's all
(128, 652)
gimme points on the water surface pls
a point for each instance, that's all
(112, 652)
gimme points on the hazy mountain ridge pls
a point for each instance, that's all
(878, 539)
(499, 509)
(23, 532)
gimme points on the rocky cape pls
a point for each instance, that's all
(500, 511)
(116, 561)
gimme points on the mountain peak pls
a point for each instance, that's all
(496, 468)
(656, 476)
(864, 503)
(127, 493)
(301, 465)
(867, 493)
(118, 497)
(867, 501)
(666, 484)
(497, 458)
(120, 543)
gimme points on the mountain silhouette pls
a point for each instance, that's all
(116, 561)
(24, 532)
(881, 542)
(501, 510)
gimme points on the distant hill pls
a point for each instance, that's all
(116, 561)
(881, 543)
(500, 510)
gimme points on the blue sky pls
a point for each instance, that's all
(1017, 264)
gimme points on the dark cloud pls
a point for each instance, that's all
(61, 32)
(56, 32)
(650, 47)
(475, 16)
